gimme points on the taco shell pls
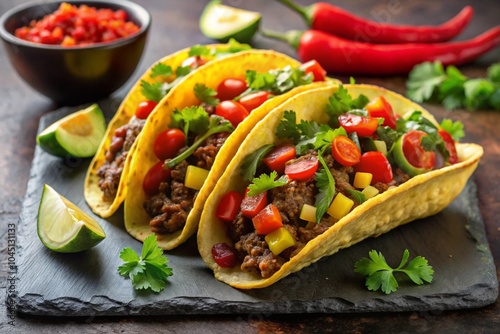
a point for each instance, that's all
(421, 196)
(93, 194)
(234, 66)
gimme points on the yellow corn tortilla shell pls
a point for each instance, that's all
(421, 196)
(93, 194)
(235, 66)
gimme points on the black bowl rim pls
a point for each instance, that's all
(143, 15)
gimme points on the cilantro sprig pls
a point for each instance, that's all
(148, 271)
(266, 182)
(381, 275)
(196, 119)
(431, 81)
(277, 81)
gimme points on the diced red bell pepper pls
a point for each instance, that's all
(251, 205)
(267, 220)
(379, 107)
(229, 206)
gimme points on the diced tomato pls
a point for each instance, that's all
(229, 206)
(231, 110)
(254, 100)
(267, 220)
(379, 107)
(363, 126)
(315, 68)
(345, 151)
(154, 177)
(414, 152)
(230, 88)
(168, 143)
(278, 156)
(450, 146)
(376, 163)
(194, 62)
(251, 205)
(302, 169)
(145, 108)
(224, 255)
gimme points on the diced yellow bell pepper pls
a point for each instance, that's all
(195, 177)
(308, 213)
(362, 180)
(340, 206)
(370, 192)
(279, 240)
(381, 146)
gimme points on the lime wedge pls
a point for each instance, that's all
(63, 227)
(76, 135)
(222, 22)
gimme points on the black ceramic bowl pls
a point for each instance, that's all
(79, 74)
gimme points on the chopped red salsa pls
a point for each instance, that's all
(70, 25)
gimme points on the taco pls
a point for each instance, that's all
(104, 187)
(324, 170)
(190, 139)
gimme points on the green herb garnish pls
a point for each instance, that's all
(150, 270)
(381, 275)
(265, 182)
(206, 94)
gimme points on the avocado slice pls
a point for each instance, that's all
(222, 22)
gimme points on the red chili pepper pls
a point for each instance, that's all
(338, 55)
(339, 22)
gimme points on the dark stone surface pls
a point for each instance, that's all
(87, 283)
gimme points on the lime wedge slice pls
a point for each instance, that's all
(63, 227)
(76, 135)
(222, 22)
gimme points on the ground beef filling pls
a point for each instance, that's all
(110, 172)
(252, 248)
(170, 207)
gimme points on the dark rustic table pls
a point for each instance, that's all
(175, 26)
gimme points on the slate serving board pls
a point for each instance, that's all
(87, 283)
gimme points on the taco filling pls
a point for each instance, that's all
(162, 79)
(317, 173)
(187, 149)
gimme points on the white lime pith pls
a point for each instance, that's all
(76, 135)
(63, 227)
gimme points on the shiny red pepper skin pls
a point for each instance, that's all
(338, 55)
(339, 22)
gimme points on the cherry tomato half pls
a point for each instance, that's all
(251, 205)
(375, 163)
(229, 206)
(415, 153)
(168, 143)
(254, 100)
(345, 151)
(231, 110)
(278, 156)
(230, 88)
(363, 126)
(379, 107)
(194, 62)
(312, 66)
(449, 143)
(267, 220)
(302, 169)
(145, 108)
(154, 177)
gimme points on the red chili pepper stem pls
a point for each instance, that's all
(342, 23)
(291, 37)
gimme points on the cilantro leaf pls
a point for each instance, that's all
(455, 129)
(477, 93)
(423, 80)
(153, 91)
(357, 195)
(381, 275)
(287, 128)
(199, 50)
(277, 81)
(494, 73)
(341, 102)
(451, 91)
(190, 119)
(161, 69)
(206, 94)
(265, 182)
(326, 188)
(150, 270)
(252, 161)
